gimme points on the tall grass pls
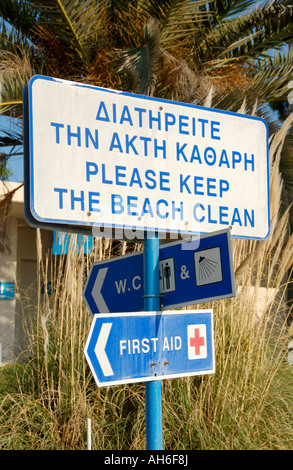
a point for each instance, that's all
(48, 394)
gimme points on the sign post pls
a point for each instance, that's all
(152, 303)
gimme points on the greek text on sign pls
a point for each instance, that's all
(113, 159)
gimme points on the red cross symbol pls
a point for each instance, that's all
(197, 341)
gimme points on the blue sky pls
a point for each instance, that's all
(15, 165)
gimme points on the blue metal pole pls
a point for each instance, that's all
(153, 391)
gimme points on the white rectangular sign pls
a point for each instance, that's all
(113, 159)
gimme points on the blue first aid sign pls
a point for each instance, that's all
(105, 158)
(142, 346)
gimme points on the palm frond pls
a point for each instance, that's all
(174, 12)
(178, 19)
(11, 138)
(71, 21)
(142, 61)
(273, 73)
(225, 9)
(20, 15)
(16, 69)
(249, 35)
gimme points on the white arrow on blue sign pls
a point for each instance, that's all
(142, 346)
(190, 272)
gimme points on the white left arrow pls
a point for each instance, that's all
(96, 292)
(100, 349)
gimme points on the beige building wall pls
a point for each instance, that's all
(19, 266)
(8, 263)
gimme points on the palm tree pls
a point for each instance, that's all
(172, 48)
(175, 49)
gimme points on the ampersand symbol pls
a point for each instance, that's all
(184, 274)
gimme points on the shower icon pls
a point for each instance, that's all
(208, 266)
